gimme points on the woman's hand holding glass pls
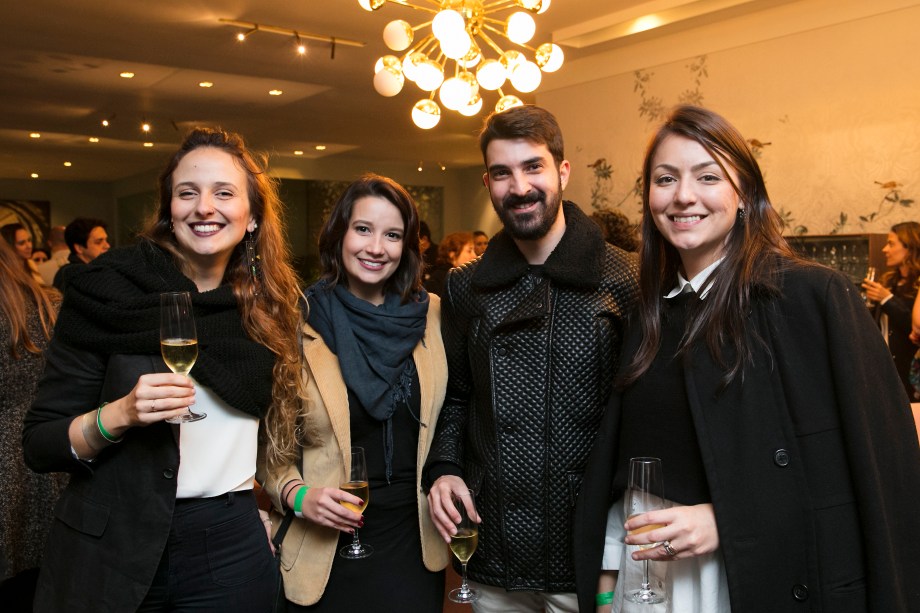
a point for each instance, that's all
(689, 530)
(324, 506)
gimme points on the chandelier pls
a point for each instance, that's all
(450, 61)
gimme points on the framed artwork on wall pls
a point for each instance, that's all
(35, 215)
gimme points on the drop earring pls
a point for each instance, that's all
(742, 215)
(253, 260)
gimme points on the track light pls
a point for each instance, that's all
(241, 36)
(301, 48)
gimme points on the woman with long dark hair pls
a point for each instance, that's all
(894, 296)
(17, 236)
(787, 443)
(376, 378)
(159, 517)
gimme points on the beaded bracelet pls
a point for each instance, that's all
(604, 598)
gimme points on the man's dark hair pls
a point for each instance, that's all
(77, 232)
(528, 122)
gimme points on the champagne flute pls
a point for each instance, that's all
(870, 276)
(645, 493)
(463, 545)
(358, 486)
(178, 341)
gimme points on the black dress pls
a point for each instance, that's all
(394, 578)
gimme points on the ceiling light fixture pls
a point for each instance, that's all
(148, 144)
(35, 135)
(68, 164)
(275, 92)
(297, 34)
(93, 139)
(298, 152)
(34, 175)
(320, 147)
(462, 31)
(126, 75)
(206, 84)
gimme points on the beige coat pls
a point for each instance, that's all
(308, 549)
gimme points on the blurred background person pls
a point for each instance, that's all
(17, 237)
(428, 248)
(39, 255)
(455, 249)
(27, 499)
(617, 229)
(480, 242)
(159, 517)
(377, 376)
(58, 253)
(894, 294)
(86, 239)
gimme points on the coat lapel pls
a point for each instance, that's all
(328, 377)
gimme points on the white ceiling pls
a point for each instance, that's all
(60, 64)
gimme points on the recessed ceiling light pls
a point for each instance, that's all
(205, 84)
(93, 139)
(68, 164)
(275, 92)
(126, 75)
(35, 135)
(321, 147)
(298, 152)
(105, 123)
(145, 127)
(34, 175)
(148, 144)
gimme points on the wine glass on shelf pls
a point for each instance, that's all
(357, 486)
(463, 545)
(645, 493)
(179, 341)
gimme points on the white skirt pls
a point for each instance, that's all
(692, 585)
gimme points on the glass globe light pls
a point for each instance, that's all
(426, 114)
(390, 61)
(429, 76)
(544, 6)
(457, 47)
(389, 81)
(411, 64)
(511, 58)
(473, 107)
(520, 27)
(549, 57)
(447, 24)
(526, 77)
(472, 57)
(530, 5)
(506, 102)
(455, 93)
(491, 74)
(398, 35)
(371, 5)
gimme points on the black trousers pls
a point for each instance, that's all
(217, 559)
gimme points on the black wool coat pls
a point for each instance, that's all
(812, 461)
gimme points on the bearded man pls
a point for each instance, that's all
(532, 331)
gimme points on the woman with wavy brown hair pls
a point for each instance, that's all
(27, 315)
(159, 517)
(894, 296)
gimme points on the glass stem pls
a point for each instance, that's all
(464, 588)
(355, 541)
(645, 582)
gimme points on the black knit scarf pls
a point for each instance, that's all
(113, 306)
(374, 347)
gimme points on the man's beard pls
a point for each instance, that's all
(530, 226)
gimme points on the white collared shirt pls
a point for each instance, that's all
(695, 283)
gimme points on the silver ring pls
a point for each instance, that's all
(668, 549)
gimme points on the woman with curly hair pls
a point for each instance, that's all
(894, 296)
(455, 249)
(160, 517)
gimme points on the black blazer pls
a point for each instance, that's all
(112, 522)
(812, 461)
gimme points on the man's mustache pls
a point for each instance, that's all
(513, 200)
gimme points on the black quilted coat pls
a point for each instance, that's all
(531, 353)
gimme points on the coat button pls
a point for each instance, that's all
(781, 458)
(169, 473)
(800, 592)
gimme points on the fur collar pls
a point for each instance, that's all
(577, 261)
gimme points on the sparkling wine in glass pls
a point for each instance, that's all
(645, 493)
(357, 485)
(178, 341)
(463, 545)
(870, 276)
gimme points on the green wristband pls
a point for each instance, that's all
(102, 430)
(298, 500)
(604, 598)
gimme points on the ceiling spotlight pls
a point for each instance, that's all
(298, 152)
(35, 135)
(301, 48)
(420, 166)
(93, 139)
(275, 92)
(205, 84)
(321, 147)
(148, 144)
(34, 175)
(145, 127)
(68, 164)
(126, 75)
(241, 36)
(105, 123)
(443, 167)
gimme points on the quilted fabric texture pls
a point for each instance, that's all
(531, 362)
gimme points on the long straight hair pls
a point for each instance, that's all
(19, 293)
(755, 252)
(908, 232)
(268, 302)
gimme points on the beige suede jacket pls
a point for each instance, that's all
(308, 550)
